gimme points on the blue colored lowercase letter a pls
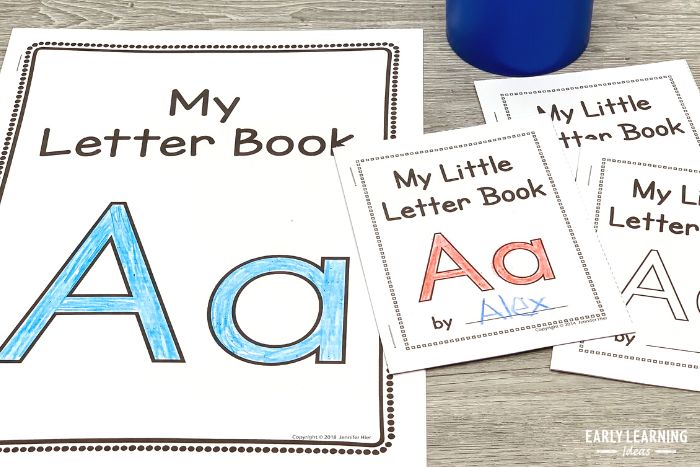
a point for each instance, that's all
(326, 339)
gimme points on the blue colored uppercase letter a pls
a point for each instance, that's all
(114, 226)
(326, 339)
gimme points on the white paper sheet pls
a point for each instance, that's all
(474, 245)
(648, 219)
(663, 352)
(254, 342)
(642, 108)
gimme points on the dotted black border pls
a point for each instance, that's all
(604, 84)
(219, 447)
(385, 265)
(196, 445)
(601, 184)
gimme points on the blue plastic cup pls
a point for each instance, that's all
(519, 37)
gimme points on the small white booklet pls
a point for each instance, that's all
(632, 109)
(648, 218)
(642, 184)
(474, 244)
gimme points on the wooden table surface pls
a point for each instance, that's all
(504, 411)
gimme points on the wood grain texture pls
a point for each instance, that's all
(505, 411)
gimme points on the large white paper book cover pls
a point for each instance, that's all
(179, 283)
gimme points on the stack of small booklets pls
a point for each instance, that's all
(239, 246)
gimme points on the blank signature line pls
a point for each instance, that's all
(671, 348)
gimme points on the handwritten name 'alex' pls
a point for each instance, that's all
(446, 173)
